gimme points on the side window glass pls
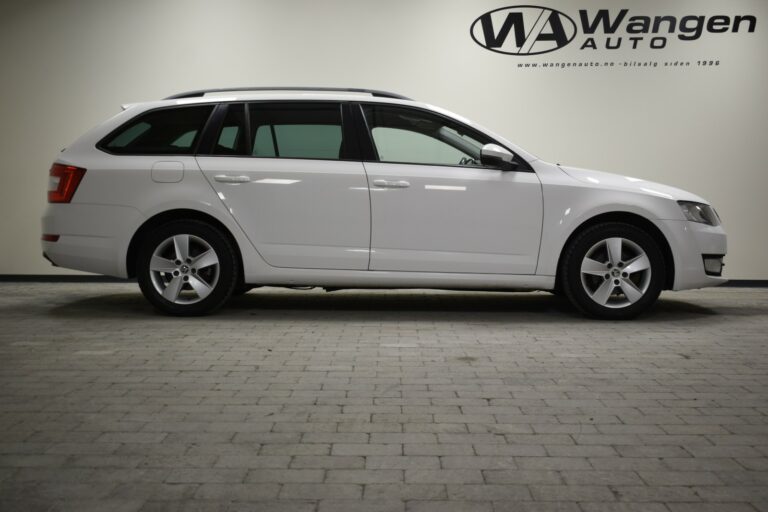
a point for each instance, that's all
(169, 131)
(398, 145)
(297, 130)
(403, 135)
(129, 135)
(185, 140)
(264, 142)
(232, 137)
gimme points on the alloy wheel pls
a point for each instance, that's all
(184, 269)
(616, 272)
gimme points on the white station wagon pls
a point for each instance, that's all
(209, 193)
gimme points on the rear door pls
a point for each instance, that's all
(292, 178)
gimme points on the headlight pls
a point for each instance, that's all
(699, 212)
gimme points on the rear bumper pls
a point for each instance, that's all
(92, 238)
(690, 241)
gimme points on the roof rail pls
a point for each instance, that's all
(203, 92)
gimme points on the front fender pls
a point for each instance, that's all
(568, 207)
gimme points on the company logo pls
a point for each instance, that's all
(533, 30)
(523, 30)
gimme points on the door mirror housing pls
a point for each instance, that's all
(493, 155)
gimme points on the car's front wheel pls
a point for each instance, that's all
(613, 271)
(187, 268)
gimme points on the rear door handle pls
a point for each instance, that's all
(226, 178)
(391, 184)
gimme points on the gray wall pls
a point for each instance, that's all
(68, 65)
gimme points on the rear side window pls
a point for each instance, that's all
(308, 130)
(168, 131)
(282, 130)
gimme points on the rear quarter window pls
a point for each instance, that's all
(167, 131)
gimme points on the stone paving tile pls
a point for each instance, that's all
(625, 507)
(237, 492)
(355, 506)
(403, 462)
(378, 492)
(477, 462)
(206, 475)
(602, 478)
(449, 506)
(710, 507)
(481, 492)
(524, 476)
(264, 506)
(383, 401)
(315, 491)
(99, 506)
(572, 493)
(537, 506)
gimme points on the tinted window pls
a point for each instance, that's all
(406, 135)
(307, 130)
(160, 132)
(232, 139)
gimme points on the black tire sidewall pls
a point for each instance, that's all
(574, 255)
(228, 267)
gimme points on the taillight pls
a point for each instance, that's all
(62, 182)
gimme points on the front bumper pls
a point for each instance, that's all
(690, 242)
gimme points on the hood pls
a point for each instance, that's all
(618, 182)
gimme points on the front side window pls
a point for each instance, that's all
(405, 135)
(290, 130)
(169, 131)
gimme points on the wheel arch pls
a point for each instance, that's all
(171, 215)
(628, 218)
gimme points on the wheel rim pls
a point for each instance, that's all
(184, 269)
(616, 272)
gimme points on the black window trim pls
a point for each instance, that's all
(101, 145)
(349, 132)
(212, 128)
(371, 154)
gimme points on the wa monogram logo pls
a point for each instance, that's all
(533, 30)
(523, 30)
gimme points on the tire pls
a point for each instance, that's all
(168, 271)
(612, 271)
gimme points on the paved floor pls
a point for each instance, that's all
(381, 401)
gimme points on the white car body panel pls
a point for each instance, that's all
(117, 196)
(454, 219)
(569, 203)
(609, 181)
(323, 230)
(298, 213)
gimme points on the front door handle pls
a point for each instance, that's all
(226, 178)
(391, 184)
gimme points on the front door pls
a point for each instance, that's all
(436, 209)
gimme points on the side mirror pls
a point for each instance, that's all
(493, 155)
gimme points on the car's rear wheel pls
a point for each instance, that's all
(187, 268)
(612, 271)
